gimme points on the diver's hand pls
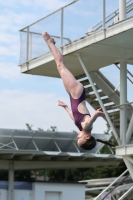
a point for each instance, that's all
(99, 113)
(61, 103)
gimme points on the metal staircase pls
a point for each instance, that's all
(109, 95)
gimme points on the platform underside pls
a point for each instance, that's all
(98, 50)
(25, 161)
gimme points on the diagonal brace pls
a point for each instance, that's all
(130, 130)
(98, 97)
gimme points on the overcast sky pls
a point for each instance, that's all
(33, 99)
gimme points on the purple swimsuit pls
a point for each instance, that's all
(78, 117)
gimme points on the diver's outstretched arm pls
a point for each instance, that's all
(88, 123)
(69, 111)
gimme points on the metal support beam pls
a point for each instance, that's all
(99, 196)
(129, 165)
(125, 194)
(130, 130)
(99, 99)
(122, 9)
(11, 181)
(123, 100)
(124, 150)
(130, 159)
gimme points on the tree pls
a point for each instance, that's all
(40, 129)
(29, 127)
(53, 128)
(105, 149)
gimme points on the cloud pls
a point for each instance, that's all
(38, 109)
(16, 19)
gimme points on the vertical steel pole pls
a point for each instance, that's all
(104, 13)
(122, 9)
(62, 25)
(11, 181)
(123, 100)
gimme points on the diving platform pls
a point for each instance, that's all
(98, 49)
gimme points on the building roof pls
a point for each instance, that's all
(34, 149)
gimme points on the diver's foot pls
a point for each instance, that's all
(47, 38)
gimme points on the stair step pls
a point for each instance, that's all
(93, 96)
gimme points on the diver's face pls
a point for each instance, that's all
(82, 137)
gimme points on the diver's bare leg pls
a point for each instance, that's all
(72, 86)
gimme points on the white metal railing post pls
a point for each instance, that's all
(122, 9)
(30, 45)
(99, 99)
(27, 47)
(104, 13)
(62, 25)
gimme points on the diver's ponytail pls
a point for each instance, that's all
(91, 143)
(105, 142)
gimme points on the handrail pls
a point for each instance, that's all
(29, 40)
(74, 1)
(127, 72)
(54, 36)
(97, 198)
(115, 13)
(115, 186)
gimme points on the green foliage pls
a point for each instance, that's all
(40, 129)
(18, 176)
(53, 128)
(29, 127)
(4, 175)
(23, 176)
(74, 175)
(105, 149)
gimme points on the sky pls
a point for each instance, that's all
(33, 99)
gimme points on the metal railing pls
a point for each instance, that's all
(100, 196)
(32, 46)
(128, 73)
(111, 19)
(29, 33)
